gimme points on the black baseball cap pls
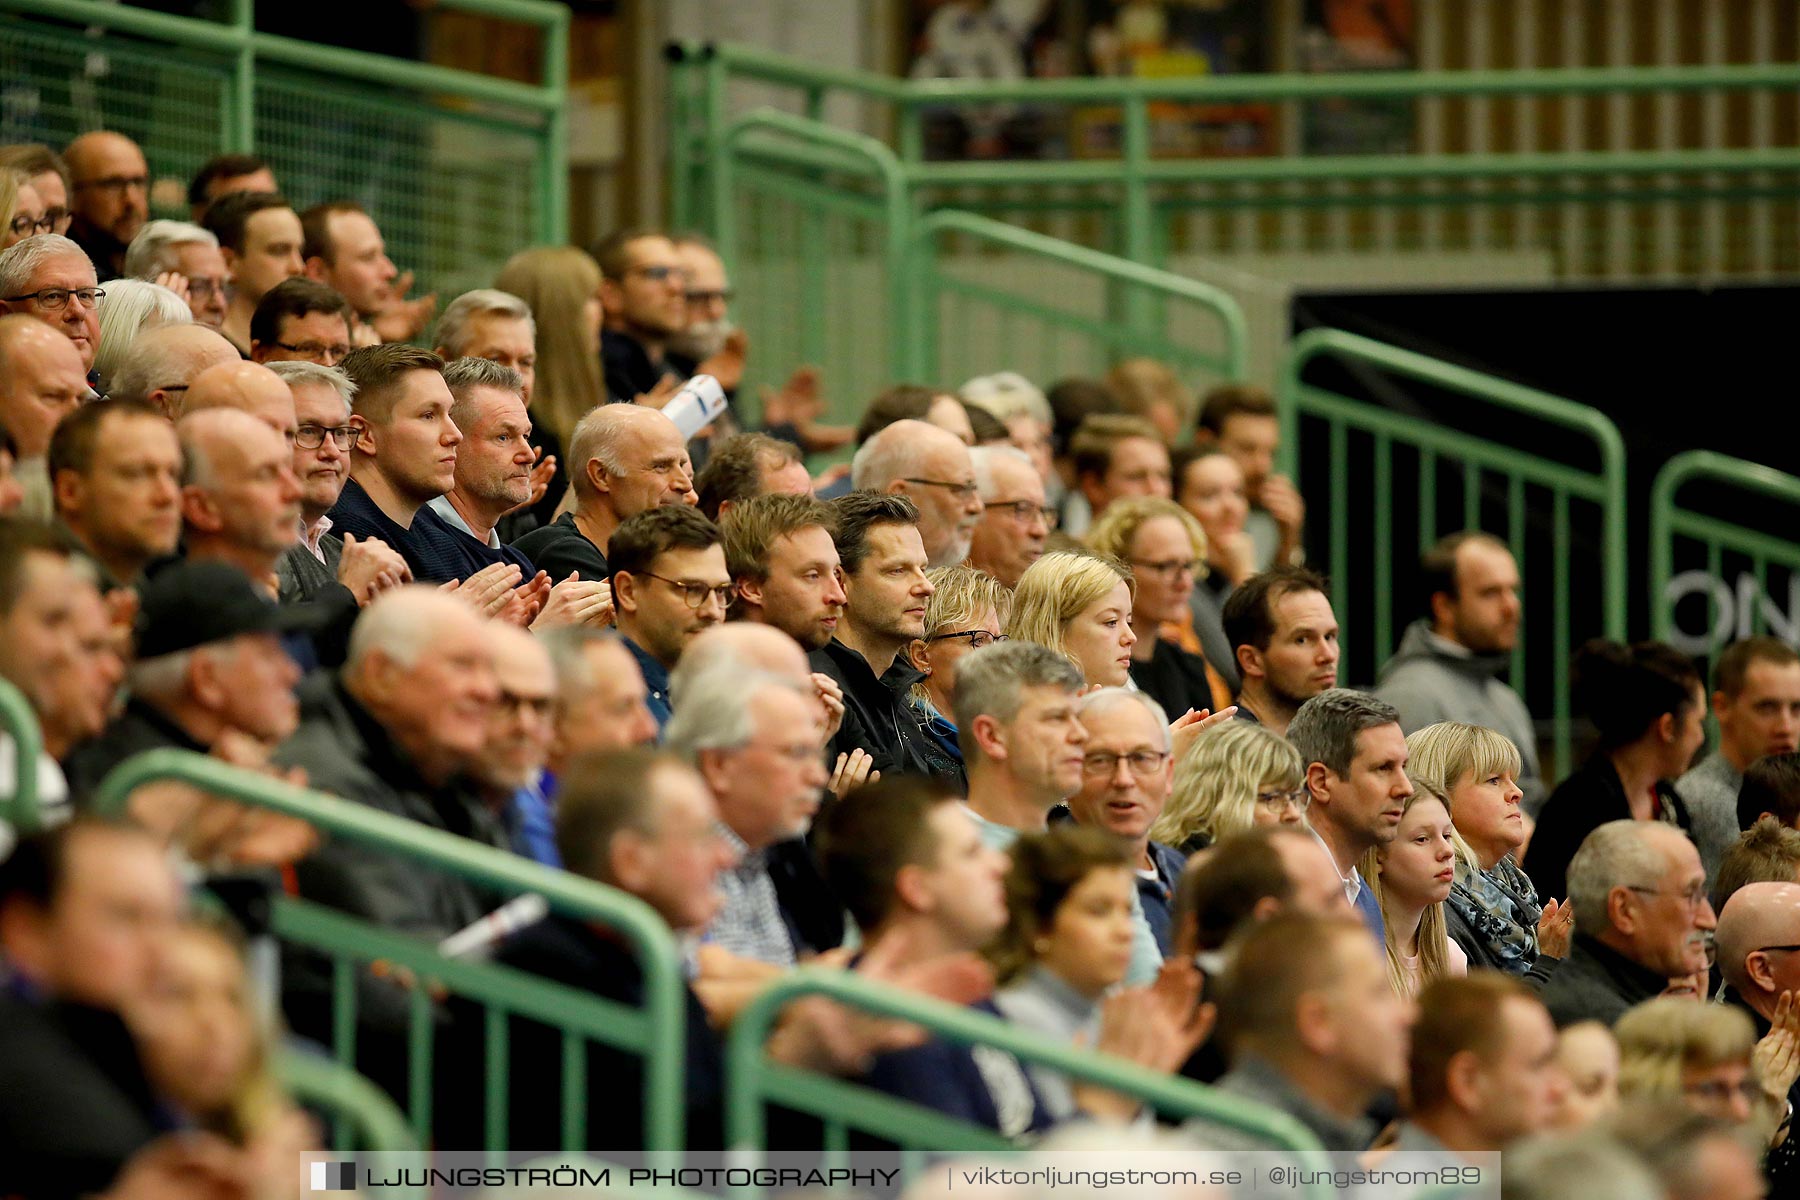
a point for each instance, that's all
(189, 604)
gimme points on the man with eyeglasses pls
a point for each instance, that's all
(669, 583)
(1015, 519)
(185, 257)
(299, 320)
(1759, 956)
(931, 468)
(1127, 776)
(644, 295)
(50, 278)
(42, 380)
(756, 739)
(1642, 919)
(111, 201)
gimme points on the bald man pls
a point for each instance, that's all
(240, 501)
(396, 730)
(623, 459)
(1759, 956)
(109, 183)
(164, 362)
(931, 467)
(248, 388)
(41, 382)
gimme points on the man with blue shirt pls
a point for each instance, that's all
(669, 584)
(1355, 758)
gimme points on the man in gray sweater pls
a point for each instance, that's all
(1449, 663)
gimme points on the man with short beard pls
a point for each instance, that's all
(1451, 662)
(1285, 638)
(709, 343)
(644, 295)
(785, 566)
(931, 468)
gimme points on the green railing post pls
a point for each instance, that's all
(554, 181)
(1668, 520)
(241, 130)
(664, 1004)
(20, 723)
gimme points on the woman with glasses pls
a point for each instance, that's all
(1238, 775)
(1411, 877)
(1166, 550)
(966, 612)
(1493, 910)
(1705, 1056)
(22, 212)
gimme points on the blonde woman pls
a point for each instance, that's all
(129, 307)
(1494, 912)
(1237, 776)
(1411, 878)
(1166, 551)
(21, 209)
(1079, 605)
(968, 610)
(1704, 1056)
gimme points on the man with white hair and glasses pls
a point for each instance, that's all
(50, 278)
(184, 258)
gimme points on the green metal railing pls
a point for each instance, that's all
(322, 1083)
(656, 1031)
(1132, 310)
(1137, 196)
(754, 1082)
(20, 723)
(440, 157)
(1508, 488)
(1713, 538)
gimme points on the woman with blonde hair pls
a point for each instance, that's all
(129, 307)
(1166, 550)
(1411, 878)
(1705, 1056)
(21, 208)
(1079, 605)
(1237, 776)
(1493, 910)
(966, 612)
(1149, 388)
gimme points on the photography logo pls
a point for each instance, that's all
(333, 1177)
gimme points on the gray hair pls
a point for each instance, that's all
(596, 436)
(991, 682)
(1616, 854)
(453, 326)
(462, 376)
(1582, 1164)
(717, 708)
(983, 458)
(1007, 394)
(568, 646)
(401, 624)
(130, 307)
(1326, 727)
(164, 677)
(298, 372)
(1112, 697)
(152, 251)
(892, 454)
(20, 262)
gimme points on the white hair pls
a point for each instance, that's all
(401, 625)
(1007, 394)
(596, 436)
(453, 326)
(983, 459)
(129, 307)
(298, 372)
(1616, 854)
(23, 259)
(1112, 697)
(716, 710)
(152, 251)
(892, 454)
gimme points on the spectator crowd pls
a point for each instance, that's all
(1035, 706)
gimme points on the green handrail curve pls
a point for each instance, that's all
(752, 1081)
(315, 1080)
(20, 723)
(1145, 281)
(1604, 487)
(664, 992)
(1668, 520)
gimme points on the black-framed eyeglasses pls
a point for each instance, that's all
(977, 638)
(1693, 897)
(1275, 801)
(1144, 763)
(1766, 949)
(1023, 510)
(962, 491)
(57, 299)
(116, 183)
(655, 274)
(335, 352)
(1170, 569)
(696, 594)
(24, 226)
(311, 437)
(59, 218)
(202, 288)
